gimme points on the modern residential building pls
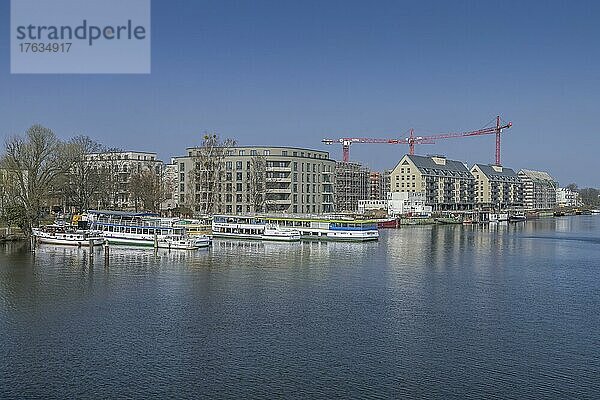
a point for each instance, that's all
(122, 166)
(539, 190)
(566, 197)
(447, 184)
(352, 183)
(497, 187)
(245, 179)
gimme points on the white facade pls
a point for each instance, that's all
(566, 198)
(407, 203)
(372, 205)
(539, 190)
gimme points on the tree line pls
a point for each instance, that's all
(39, 171)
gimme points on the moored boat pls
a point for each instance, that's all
(142, 229)
(388, 223)
(280, 234)
(517, 217)
(448, 220)
(309, 227)
(326, 227)
(66, 236)
(180, 242)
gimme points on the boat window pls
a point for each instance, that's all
(145, 231)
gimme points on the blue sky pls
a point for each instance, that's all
(291, 73)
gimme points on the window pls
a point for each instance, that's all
(241, 152)
(228, 165)
(267, 152)
(295, 166)
(238, 187)
(239, 176)
(284, 153)
(253, 152)
(238, 165)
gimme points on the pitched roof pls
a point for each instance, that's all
(539, 176)
(490, 172)
(429, 167)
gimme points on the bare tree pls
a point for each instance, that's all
(258, 166)
(84, 180)
(146, 190)
(206, 179)
(33, 164)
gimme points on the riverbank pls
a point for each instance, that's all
(11, 235)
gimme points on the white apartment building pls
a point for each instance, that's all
(566, 198)
(539, 190)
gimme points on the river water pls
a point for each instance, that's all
(499, 311)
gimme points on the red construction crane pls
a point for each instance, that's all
(430, 139)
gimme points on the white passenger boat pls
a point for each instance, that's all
(309, 227)
(142, 229)
(180, 242)
(328, 227)
(277, 233)
(66, 236)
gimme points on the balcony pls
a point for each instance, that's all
(279, 190)
(278, 201)
(283, 180)
(278, 169)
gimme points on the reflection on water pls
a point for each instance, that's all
(499, 310)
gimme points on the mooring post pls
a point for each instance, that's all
(91, 246)
(106, 254)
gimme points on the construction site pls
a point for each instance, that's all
(447, 186)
